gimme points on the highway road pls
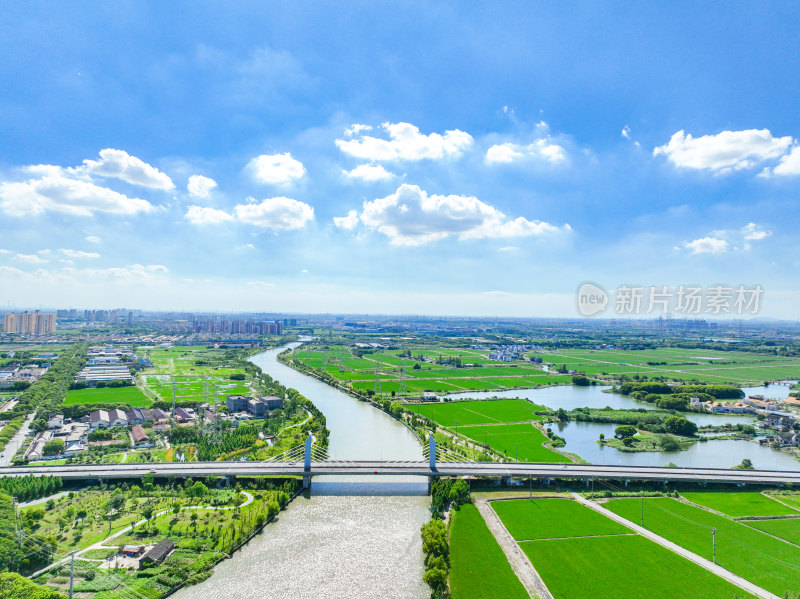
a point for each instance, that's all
(347, 468)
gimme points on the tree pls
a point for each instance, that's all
(147, 511)
(54, 447)
(562, 415)
(580, 380)
(624, 431)
(116, 502)
(677, 425)
(435, 578)
(745, 464)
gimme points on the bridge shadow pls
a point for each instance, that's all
(369, 486)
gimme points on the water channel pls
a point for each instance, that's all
(354, 538)
(582, 437)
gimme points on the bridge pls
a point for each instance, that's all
(308, 467)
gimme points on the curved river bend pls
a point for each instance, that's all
(357, 538)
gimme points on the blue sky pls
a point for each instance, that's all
(425, 158)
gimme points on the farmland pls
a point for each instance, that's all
(622, 566)
(753, 555)
(478, 566)
(708, 366)
(479, 412)
(191, 373)
(580, 553)
(741, 504)
(522, 442)
(553, 518)
(784, 528)
(132, 396)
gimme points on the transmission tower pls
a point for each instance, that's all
(402, 389)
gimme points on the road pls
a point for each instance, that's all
(411, 468)
(14, 443)
(700, 561)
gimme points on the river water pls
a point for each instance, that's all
(354, 538)
(581, 437)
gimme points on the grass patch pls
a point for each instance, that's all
(767, 562)
(123, 395)
(478, 412)
(784, 528)
(628, 566)
(520, 441)
(748, 503)
(478, 566)
(529, 519)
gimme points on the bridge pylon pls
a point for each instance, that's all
(432, 452)
(307, 463)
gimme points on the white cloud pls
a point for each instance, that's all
(5, 252)
(29, 259)
(707, 245)
(121, 165)
(540, 149)
(724, 152)
(78, 254)
(68, 196)
(412, 217)
(277, 169)
(203, 215)
(200, 186)
(369, 173)
(276, 213)
(405, 143)
(348, 222)
(754, 232)
(356, 129)
(626, 132)
(93, 239)
(789, 164)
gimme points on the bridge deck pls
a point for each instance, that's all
(318, 468)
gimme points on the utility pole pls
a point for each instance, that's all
(714, 545)
(641, 523)
(71, 572)
(17, 529)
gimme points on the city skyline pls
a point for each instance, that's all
(456, 162)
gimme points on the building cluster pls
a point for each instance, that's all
(15, 373)
(29, 323)
(508, 353)
(233, 326)
(132, 417)
(108, 364)
(753, 404)
(257, 407)
(74, 434)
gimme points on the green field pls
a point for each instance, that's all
(478, 412)
(748, 503)
(528, 519)
(753, 555)
(792, 499)
(627, 566)
(478, 372)
(520, 441)
(478, 566)
(784, 528)
(132, 396)
(709, 366)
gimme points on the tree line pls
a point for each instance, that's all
(27, 488)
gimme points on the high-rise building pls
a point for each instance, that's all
(30, 323)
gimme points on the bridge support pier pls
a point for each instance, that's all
(306, 482)
(626, 482)
(547, 481)
(506, 480)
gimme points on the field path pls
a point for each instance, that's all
(700, 561)
(517, 559)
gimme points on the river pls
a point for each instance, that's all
(581, 437)
(354, 538)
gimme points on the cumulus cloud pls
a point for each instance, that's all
(200, 186)
(78, 254)
(93, 239)
(29, 259)
(410, 216)
(754, 232)
(725, 151)
(276, 169)
(349, 222)
(789, 164)
(67, 196)
(121, 165)
(707, 245)
(541, 149)
(203, 215)
(356, 129)
(276, 213)
(369, 173)
(405, 143)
